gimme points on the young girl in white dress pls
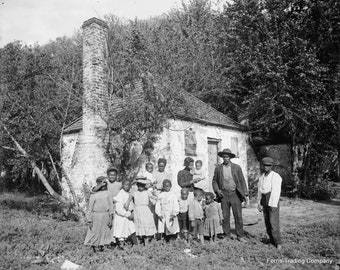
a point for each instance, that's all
(167, 209)
(143, 216)
(123, 226)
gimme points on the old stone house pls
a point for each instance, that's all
(199, 133)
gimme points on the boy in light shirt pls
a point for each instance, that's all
(269, 191)
(183, 216)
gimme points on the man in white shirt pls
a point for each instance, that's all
(269, 190)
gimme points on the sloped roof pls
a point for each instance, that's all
(191, 109)
(202, 112)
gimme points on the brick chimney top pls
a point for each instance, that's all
(94, 20)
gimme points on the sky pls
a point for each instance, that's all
(38, 21)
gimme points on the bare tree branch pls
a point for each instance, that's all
(36, 169)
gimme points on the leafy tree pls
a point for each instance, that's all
(39, 86)
(278, 75)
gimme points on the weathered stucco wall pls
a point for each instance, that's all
(83, 160)
(171, 146)
(88, 160)
(69, 148)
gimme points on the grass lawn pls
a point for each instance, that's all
(33, 238)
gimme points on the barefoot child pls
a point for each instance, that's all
(143, 217)
(213, 217)
(183, 217)
(100, 215)
(196, 215)
(167, 209)
(123, 226)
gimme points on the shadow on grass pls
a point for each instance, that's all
(41, 204)
(331, 202)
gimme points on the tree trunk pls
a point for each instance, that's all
(300, 154)
(1, 140)
(38, 171)
(337, 101)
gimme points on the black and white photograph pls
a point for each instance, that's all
(169, 134)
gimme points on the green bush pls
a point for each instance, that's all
(319, 191)
(39, 204)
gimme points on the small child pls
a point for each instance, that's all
(183, 217)
(123, 226)
(149, 174)
(198, 177)
(113, 185)
(213, 217)
(100, 215)
(196, 215)
(143, 217)
(167, 209)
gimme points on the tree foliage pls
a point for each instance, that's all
(273, 62)
(41, 92)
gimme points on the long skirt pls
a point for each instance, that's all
(144, 221)
(100, 234)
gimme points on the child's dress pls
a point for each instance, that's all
(213, 218)
(149, 177)
(113, 188)
(202, 184)
(122, 226)
(143, 217)
(100, 209)
(167, 206)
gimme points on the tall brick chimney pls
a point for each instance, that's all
(89, 160)
(95, 71)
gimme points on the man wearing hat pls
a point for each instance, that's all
(269, 190)
(230, 186)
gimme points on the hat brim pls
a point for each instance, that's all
(112, 169)
(143, 181)
(221, 154)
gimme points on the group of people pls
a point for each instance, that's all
(148, 208)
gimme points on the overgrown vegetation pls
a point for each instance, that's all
(273, 62)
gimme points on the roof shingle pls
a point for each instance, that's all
(191, 109)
